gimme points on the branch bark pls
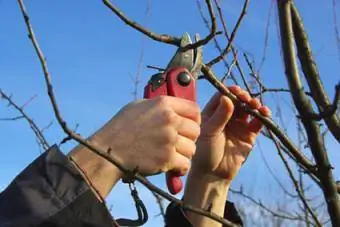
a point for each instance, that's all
(41, 140)
(232, 36)
(312, 74)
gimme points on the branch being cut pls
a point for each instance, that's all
(232, 36)
(217, 45)
(166, 38)
(303, 106)
(96, 149)
(311, 72)
(161, 38)
(212, 33)
(38, 133)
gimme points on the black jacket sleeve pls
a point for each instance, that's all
(50, 192)
(175, 216)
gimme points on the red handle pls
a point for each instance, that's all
(169, 84)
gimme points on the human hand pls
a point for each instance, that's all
(154, 135)
(227, 136)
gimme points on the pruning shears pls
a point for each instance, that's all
(178, 80)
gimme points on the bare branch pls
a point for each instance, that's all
(266, 37)
(38, 133)
(161, 38)
(261, 205)
(311, 72)
(295, 182)
(336, 30)
(212, 33)
(159, 201)
(232, 36)
(303, 106)
(155, 67)
(217, 45)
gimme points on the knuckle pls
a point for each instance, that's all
(169, 135)
(186, 166)
(168, 116)
(165, 156)
(192, 149)
(161, 101)
(196, 131)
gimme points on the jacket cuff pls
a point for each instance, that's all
(175, 215)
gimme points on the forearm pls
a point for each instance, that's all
(207, 192)
(100, 174)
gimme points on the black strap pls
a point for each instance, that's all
(140, 207)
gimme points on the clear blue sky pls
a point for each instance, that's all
(92, 57)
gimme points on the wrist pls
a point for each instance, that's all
(208, 192)
(100, 174)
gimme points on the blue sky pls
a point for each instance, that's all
(93, 57)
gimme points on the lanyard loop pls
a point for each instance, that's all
(140, 207)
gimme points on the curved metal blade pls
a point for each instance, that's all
(190, 59)
(183, 59)
(198, 59)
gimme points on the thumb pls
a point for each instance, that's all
(220, 117)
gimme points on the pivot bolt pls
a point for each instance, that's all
(184, 79)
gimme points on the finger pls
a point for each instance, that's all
(265, 111)
(240, 113)
(220, 118)
(179, 164)
(235, 89)
(182, 107)
(185, 147)
(211, 106)
(188, 128)
(255, 126)
(255, 103)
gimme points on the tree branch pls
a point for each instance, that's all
(38, 133)
(161, 38)
(212, 33)
(303, 106)
(232, 36)
(311, 72)
(295, 182)
(260, 204)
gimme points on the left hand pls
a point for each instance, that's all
(227, 136)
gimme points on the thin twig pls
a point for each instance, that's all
(38, 133)
(232, 36)
(336, 29)
(212, 33)
(161, 38)
(217, 45)
(295, 182)
(261, 205)
(266, 37)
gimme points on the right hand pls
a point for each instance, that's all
(154, 135)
